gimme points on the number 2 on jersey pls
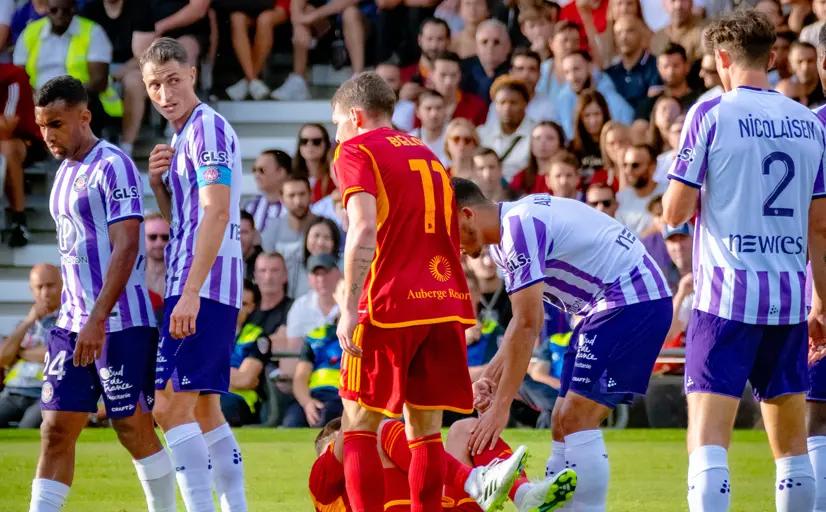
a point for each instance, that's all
(769, 210)
(424, 169)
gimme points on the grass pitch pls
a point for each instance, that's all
(648, 470)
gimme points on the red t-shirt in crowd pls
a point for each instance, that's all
(17, 99)
(519, 187)
(571, 13)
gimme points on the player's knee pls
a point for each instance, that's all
(460, 431)
(56, 435)
(816, 419)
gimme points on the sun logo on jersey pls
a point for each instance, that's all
(439, 268)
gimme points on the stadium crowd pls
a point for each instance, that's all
(584, 100)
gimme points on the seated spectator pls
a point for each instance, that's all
(590, 16)
(25, 13)
(635, 76)
(433, 40)
(544, 373)
(773, 9)
(494, 303)
(6, 14)
(76, 47)
(613, 140)
(666, 158)
(397, 26)
(22, 352)
(673, 67)
(270, 170)
(537, 24)
(511, 136)
(547, 139)
(591, 114)
(259, 17)
(250, 355)
(472, 13)
(487, 174)
(446, 78)
(118, 19)
(461, 142)
(711, 79)
(404, 113)
(638, 165)
(525, 67)
(564, 41)
(322, 237)
(782, 47)
(312, 159)
(804, 84)
(483, 338)
(666, 109)
(602, 197)
(20, 144)
(156, 238)
(433, 116)
(310, 22)
(250, 247)
(606, 46)
(579, 76)
(678, 242)
(289, 228)
(563, 175)
(493, 46)
(183, 20)
(684, 28)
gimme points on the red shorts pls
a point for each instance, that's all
(424, 366)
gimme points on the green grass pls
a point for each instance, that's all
(648, 469)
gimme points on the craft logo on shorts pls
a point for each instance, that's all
(47, 393)
(80, 182)
(211, 175)
(440, 268)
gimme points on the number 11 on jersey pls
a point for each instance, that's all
(424, 168)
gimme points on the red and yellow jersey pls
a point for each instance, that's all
(327, 490)
(416, 277)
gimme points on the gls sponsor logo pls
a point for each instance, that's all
(518, 261)
(765, 244)
(121, 194)
(214, 158)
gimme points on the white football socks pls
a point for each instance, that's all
(795, 484)
(585, 453)
(817, 456)
(192, 466)
(709, 489)
(48, 495)
(157, 478)
(228, 468)
(556, 461)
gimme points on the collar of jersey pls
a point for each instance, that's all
(758, 89)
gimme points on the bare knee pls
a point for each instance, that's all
(239, 21)
(460, 431)
(358, 418)
(56, 435)
(14, 150)
(422, 422)
(816, 418)
(578, 413)
(351, 16)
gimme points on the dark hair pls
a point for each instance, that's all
(599, 185)
(508, 83)
(428, 93)
(245, 215)
(532, 170)
(747, 35)
(368, 91)
(282, 159)
(787, 35)
(327, 432)
(163, 50)
(655, 138)
(648, 148)
(334, 231)
(564, 25)
(675, 49)
(449, 56)
(299, 164)
(62, 88)
(486, 151)
(256, 293)
(584, 143)
(291, 177)
(467, 193)
(582, 53)
(567, 158)
(272, 255)
(802, 44)
(435, 21)
(523, 51)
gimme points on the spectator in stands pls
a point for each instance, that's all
(711, 79)
(25, 13)
(804, 84)
(65, 44)
(494, 302)
(666, 158)
(433, 116)
(547, 139)
(493, 46)
(613, 140)
(472, 13)
(183, 20)
(6, 14)
(545, 372)
(315, 308)
(565, 40)
(563, 175)
(312, 159)
(118, 19)
(579, 76)
(636, 73)
(525, 67)
(606, 46)
(20, 144)
(602, 197)
(782, 47)
(511, 136)
(309, 22)
(433, 39)
(774, 10)
(678, 242)
(638, 165)
(590, 115)
(260, 17)
(461, 142)
(156, 237)
(270, 170)
(673, 66)
(666, 109)
(404, 113)
(250, 247)
(483, 338)
(271, 315)
(487, 174)
(322, 237)
(684, 29)
(22, 352)
(249, 356)
(537, 24)
(397, 25)
(446, 78)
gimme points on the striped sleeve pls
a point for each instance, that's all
(819, 189)
(212, 147)
(691, 164)
(524, 246)
(121, 189)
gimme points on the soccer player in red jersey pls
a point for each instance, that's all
(406, 301)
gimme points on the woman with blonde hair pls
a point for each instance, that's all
(613, 140)
(461, 141)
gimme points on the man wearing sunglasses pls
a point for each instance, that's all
(638, 165)
(602, 197)
(156, 236)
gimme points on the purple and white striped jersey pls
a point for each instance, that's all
(757, 158)
(206, 154)
(588, 261)
(87, 197)
(263, 211)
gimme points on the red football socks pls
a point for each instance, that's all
(363, 473)
(501, 450)
(394, 443)
(426, 474)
